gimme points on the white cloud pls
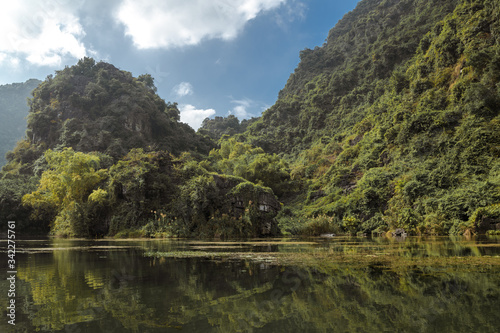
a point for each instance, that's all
(241, 108)
(194, 117)
(240, 111)
(183, 89)
(43, 33)
(175, 23)
(294, 10)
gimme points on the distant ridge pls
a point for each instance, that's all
(13, 111)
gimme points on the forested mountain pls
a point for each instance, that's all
(217, 127)
(13, 111)
(104, 154)
(334, 84)
(392, 123)
(97, 107)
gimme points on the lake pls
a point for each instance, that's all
(340, 284)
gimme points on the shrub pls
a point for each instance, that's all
(350, 224)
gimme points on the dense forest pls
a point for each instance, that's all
(392, 123)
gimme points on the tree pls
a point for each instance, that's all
(70, 189)
(253, 164)
(139, 185)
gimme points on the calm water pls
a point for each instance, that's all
(279, 285)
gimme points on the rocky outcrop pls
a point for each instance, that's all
(243, 197)
(399, 232)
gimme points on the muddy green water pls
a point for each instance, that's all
(278, 285)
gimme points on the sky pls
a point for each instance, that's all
(212, 57)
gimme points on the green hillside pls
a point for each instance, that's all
(13, 111)
(97, 107)
(333, 85)
(392, 123)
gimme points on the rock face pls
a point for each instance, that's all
(242, 197)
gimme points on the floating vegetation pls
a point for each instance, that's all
(355, 255)
(72, 248)
(255, 243)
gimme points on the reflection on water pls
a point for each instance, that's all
(318, 285)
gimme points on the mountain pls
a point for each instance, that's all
(333, 84)
(97, 107)
(394, 121)
(105, 155)
(13, 111)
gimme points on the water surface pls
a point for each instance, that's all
(270, 285)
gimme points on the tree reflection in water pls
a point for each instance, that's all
(343, 285)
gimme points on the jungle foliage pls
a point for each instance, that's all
(392, 123)
(105, 155)
(144, 194)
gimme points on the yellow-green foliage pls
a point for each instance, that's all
(67, 185)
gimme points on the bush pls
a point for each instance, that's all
(374, 225)
(319, 225)
(350, 224)
(159, 227)
(409, 220)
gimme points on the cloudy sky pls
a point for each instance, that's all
(213, 57)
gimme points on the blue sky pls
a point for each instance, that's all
(212, 57)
